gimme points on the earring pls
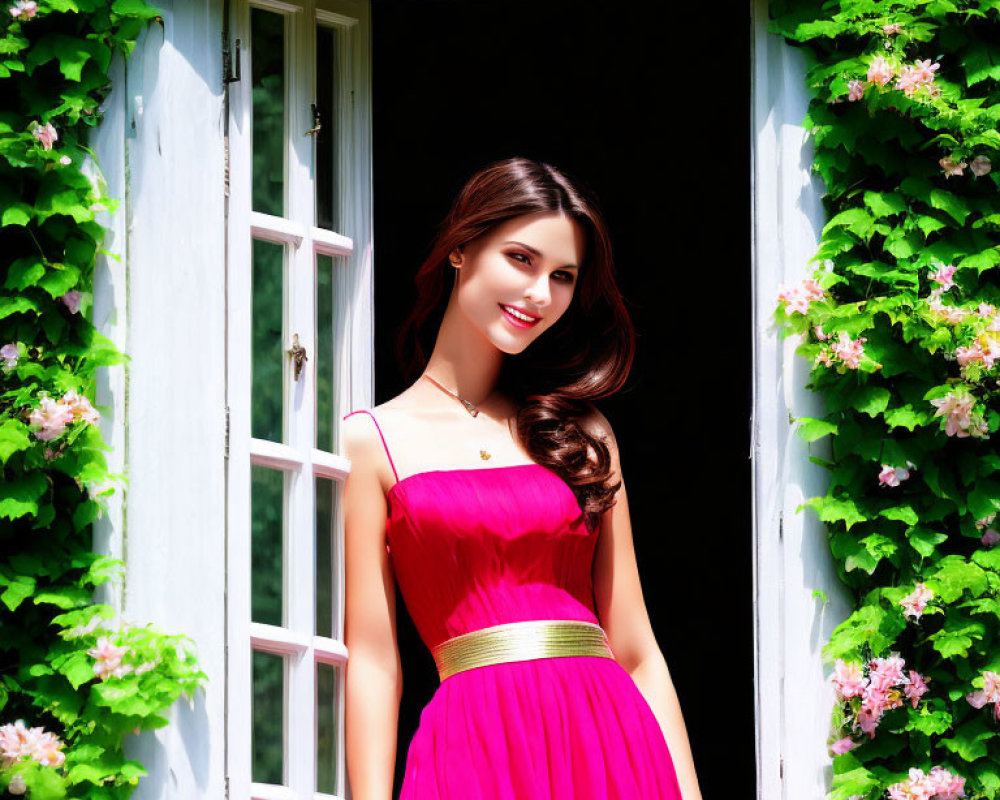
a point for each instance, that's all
(455, 261)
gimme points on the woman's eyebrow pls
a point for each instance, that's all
(535, 252)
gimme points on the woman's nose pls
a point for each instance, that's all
(538, 292)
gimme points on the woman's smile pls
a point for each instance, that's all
(518, 318)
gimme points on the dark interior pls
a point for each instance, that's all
(612, 94)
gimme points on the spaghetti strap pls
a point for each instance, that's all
(381, 436)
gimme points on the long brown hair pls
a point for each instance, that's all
(586, 354)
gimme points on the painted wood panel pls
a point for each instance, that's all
(161, 148)
(792, 558)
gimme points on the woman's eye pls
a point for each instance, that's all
(567, 276)
(520, 255)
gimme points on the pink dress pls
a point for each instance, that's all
(477, 547)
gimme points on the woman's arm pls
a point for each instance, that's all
(622, 611)
(374, 682)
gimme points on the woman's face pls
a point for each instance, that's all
(527, 265)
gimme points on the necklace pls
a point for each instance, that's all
(484, 454)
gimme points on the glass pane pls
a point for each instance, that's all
(323, 363)
(267, 525)
(267, 351)
(267, 54)
(327, 495)
(326, 728)
(268, 718)
(327, 103)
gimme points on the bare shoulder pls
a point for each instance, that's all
(362, 433)
(597, 425)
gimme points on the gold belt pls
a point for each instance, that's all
(520, 641)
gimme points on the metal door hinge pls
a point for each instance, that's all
(231, 57)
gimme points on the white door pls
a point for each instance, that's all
(299, 354)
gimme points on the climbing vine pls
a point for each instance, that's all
(74, 683)
(901, 321)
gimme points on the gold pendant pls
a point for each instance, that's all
(484, 455)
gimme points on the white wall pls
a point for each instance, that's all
(792, 558)
(161, 149)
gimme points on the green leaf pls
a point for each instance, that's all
(857, 782)
(970, 739)
(904, 417)
(953, 205)
(903, 513)
(832, 509)
(871, 400)
(885, 204)
(20, 496)
(954, 575)
(18, 589)
(811, 428)
(13, 438)
(59, 281)
(924, 540)
(135, 8)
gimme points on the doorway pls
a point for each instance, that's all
(608, 93)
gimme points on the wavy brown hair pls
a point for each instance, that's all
(586, 354)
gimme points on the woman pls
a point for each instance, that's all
(491, 491)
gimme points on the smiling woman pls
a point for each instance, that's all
(521, 577)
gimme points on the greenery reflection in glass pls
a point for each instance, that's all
(267, 735)
(323, 363)
(267, 53)
(326, 726)
(266, 529)
(327, 103)
(267, 351)
(326, 507)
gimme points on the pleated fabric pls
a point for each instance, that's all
(478, 547)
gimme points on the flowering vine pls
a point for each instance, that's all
(900, 324)
(73, 682)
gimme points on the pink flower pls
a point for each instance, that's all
(891, 28)
(108, 659)
(818, 330)
(844, 745)
(797, 298)
(916, 601)
(847, 679)
(951, 314)
(938, 784)
(10, 355)
(966, 354)
(65, 160)
(916, 688)
(980, 166)
(52, 417)
(913, 77)
(956, 407)
(824, 358)
(80, 406)
(951, 167)
(18, 741)
(990, 538)
(944, 276)
(45, 134)
(857, 90)
(892, 476)
(990, 693)
(72, 300)
(25, 8)
(880, 71)
(886, 672)
(849, 350)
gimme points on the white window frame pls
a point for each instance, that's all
(353, 377)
